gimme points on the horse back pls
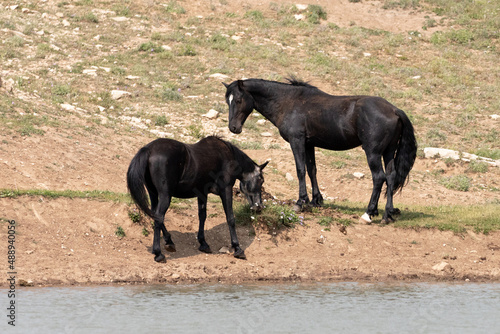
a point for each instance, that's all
(341, 122)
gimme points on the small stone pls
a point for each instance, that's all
(443, 266)
(166, 48)
(289, 177)
(266, 134)
(261, 122)
(416, 77)
(211, 114)
(358, 175)
(132, 77)
(90, 71)
(321, 239)
(495, 116)
(367, 54)
(300, 17)
(176, 276)
(301, 7)
(66, 23)
(219, 76)
(224, 250)
(119, 19)
(68, 107)
(118, 94)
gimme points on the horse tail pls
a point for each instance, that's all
(406, 152)
(136, 180)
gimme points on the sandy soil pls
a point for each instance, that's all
(72, 241)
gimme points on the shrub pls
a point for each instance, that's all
(457, 182)
(120, 233)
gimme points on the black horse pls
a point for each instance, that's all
(308, 117)
(168, 168)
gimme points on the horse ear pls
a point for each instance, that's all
(263, 165)
(225, 84)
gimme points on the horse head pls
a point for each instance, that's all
(251, 187)
(240, 104)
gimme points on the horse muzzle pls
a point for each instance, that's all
(256, 208)
(235, 129)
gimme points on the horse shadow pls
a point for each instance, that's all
(217, 237)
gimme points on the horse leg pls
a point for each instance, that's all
(226, 196)
(202, 215)
(378, 178)
(153, 195)
(390, 172)
(317, 199)
(163, 204)
(299, 154)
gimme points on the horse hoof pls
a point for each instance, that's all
(170, 248)
(160, 258)
(395, 212)
(387, 221)
(365, 218)
(240, 254)
(205, 249)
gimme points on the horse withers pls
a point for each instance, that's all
(167, 168)
(308, 117)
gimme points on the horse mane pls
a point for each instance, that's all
(245, 162)
(294, 81)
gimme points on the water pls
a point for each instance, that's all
(300, 308)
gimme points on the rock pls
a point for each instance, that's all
(118, 94)
(301, 7)
(90, 71)
(132, 77)
(416, 77)
(443, 266)
(367, 54)
(176, 276)
(65, 23)
(300, 17)
(266, 134)
(289, 177)
(68, 107)
(211, 114)
(224, 250)
(119, 19)
(342, 229)
(261, 121)
(321, 239)
(166, 48)
(9, 85)
(495, 116)
(219, 76)
(433, 152)
(358, 175)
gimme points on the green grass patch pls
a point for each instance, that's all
(457, 182)
(274, 215)
(481, 218)
(100, 195)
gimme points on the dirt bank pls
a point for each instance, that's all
(73, 242)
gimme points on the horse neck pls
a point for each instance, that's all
(246, 165)
(266, 95)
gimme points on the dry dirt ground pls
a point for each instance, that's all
(72, 241)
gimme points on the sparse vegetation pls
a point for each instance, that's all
(120, 233)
